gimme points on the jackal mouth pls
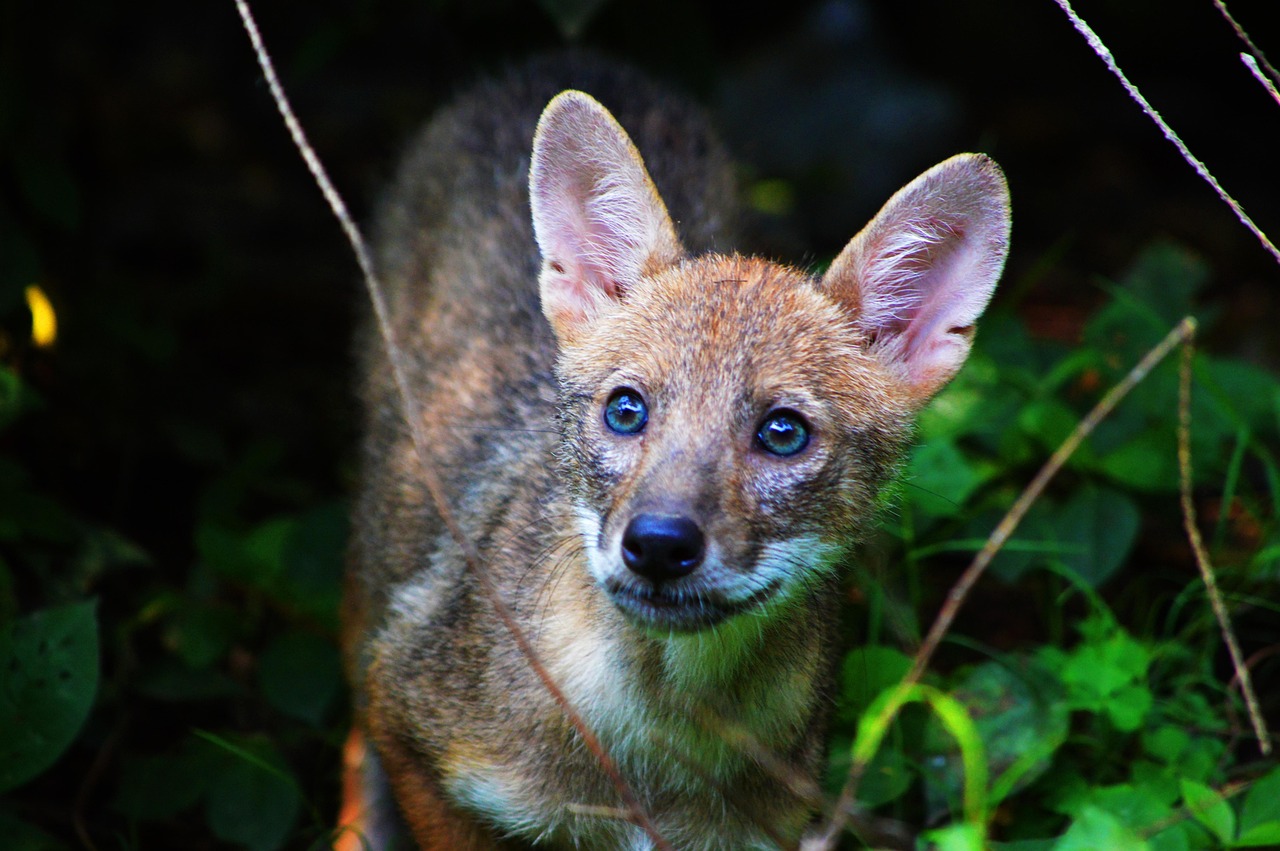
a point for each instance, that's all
(680, 610)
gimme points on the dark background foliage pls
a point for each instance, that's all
(182, 453)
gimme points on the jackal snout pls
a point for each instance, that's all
(661, 548)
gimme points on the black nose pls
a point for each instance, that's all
(662, 548)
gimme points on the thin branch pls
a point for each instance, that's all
(1105, 55)
(410, 412)
(1202, 555)
(1252, 64)
(1004, 530)
(1248, 42)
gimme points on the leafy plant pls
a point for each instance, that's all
(1104, 735)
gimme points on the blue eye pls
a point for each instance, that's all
(625, 412)
(783, 433)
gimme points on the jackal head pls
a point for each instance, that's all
(727, 422)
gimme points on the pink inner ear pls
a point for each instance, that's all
(921, 273)
(597, 218)
(950, 294)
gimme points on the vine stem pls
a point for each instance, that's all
(411, 413)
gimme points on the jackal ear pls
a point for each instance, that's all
(597, 216)
(921, 272)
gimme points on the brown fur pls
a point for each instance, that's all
(708, 724)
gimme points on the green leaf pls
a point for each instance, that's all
(1148, 462)
(1100, 667)
(1181, 836)
(252, 798)
(1259, 836)
(1209, 808)
(299, 674)
(867, 672)
(956, 837)
(313, 563)
(1099, 526)
(50, 665)
(1261, 804)
(1128, 706)
(1137, 807)
(1049, 421)
(888, 776)
(1166, 743)
(1095, 829)
(1020, 719)
(940, 478)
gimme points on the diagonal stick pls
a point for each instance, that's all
(1260, 57)
(1202, 555)
(1105, 55)
(411, 412)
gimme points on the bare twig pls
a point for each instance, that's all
(1248, 42)
(1202, 555)
(1250, 663)
(1252, 64)
(1105, 55)
(1003, 531)
(410, 412)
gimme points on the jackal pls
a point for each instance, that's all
(664, 453)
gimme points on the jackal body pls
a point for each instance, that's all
(663, 456)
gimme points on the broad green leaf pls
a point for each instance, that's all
(940, 478)
(253, 799)
(50, 661)
(1209, 808)
(1135, 806)
(1261, 804)
(1148, 462)
(1096, 670)
(1049, 421)
(956, 837)
(1166, 742)
(1128, 706)
(1095, 829)
(1097, 527)
(868, 671)
(313, 562)
(880, 717)
(1021, 720)
(299, 674)
(887, 777)
(1266, 835)
(1182, 835)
